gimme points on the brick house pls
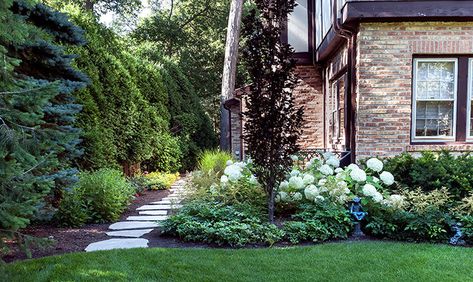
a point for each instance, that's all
(380, 77)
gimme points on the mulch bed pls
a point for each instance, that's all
(68, 240)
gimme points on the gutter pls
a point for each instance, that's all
(350, 99)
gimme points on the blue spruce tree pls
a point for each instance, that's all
(38, 140)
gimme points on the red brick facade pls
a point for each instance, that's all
(384, 80)
(383, 90)
(309, 94)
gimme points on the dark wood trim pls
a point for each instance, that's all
(407, 10)
(329, 46)
(311, 27)
(303, 58)
(462, 99)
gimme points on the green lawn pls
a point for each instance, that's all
(351, 261)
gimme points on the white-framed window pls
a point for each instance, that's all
(469, 104)
(434, 99)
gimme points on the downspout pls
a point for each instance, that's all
(350, 36)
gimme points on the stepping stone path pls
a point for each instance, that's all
(127, 233)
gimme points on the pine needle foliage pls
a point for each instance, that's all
(38, 138)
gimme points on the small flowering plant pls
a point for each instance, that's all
(321, 179)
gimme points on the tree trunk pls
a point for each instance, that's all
(271, 204)
(229, 69)
(89, 5)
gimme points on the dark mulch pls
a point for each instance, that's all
(68, 240)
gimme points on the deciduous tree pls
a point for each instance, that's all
(273, 122)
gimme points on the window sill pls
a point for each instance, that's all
(453, 147)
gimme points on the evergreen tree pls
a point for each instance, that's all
(38, 140)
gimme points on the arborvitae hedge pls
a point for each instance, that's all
(136, 110)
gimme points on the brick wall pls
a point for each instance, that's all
(384, 67)
(309, 95)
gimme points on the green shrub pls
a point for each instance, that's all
(214, 161)
(220, 224)
(467, 228)
(209, 187)
(159, 180)
(318, 222)
(101, 195)
(433, 171)
(426, 217)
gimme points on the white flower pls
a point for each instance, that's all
(281, 197)
(333, 161)
(353, 166)
(284, 185)
(338, 170)
(342, 185)
(328, 155)
(308, 179)
(358, 175)
(375, 179)
(319, 199)
(369, 190)
(297, 196)
(377, 197)
(322, 181)
(224, 179)
(387, 178)
(339, 176)
(375, 164)
(395, 201)
(296, 182)
(240, 164)
(233, 172)
(253, 180)
(311, 192)
(308, 164)
(229, 162)
(294, 158)
(326, 169)
(295, 172)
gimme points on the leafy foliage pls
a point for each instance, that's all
(214, 161)
(433, 171)
(426, 218)
(221, 224)
(272, 122)
(98, 197)
(318, 222)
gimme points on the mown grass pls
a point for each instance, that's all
(348, 261)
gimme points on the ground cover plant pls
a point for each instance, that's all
(351, 261)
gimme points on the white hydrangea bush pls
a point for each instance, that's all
(237, 173)
(322, 179)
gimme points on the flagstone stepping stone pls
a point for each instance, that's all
(111, 244)
(122, 225)
(158, 207)
(173, 200)
(147, 217)
(154, 212)
(166, 202)
(129, 233)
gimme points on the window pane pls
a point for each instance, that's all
(434, 118)
(435, 80)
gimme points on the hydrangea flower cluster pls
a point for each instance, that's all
(322, 179)
(238, 171)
